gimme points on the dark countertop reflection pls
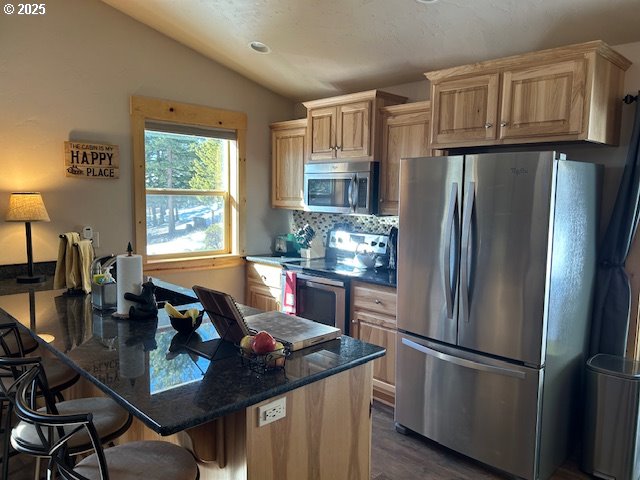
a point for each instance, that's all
(145, 367)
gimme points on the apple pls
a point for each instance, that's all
(263, 343)
(245, 343)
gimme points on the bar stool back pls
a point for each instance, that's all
(147, 459)
(111, 420)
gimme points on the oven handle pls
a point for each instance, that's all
(313, 280)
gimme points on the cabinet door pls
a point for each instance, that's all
(543, 101)
(267, 275)
(322, 134)
(464, 111)
(379, 330)
(288, 150)
(403, 135)
(354, 130)
(263, 298)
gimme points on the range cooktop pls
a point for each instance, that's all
(341, 258)
(327, 265)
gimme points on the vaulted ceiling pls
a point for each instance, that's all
(321, 48)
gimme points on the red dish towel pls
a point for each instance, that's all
(289, 300)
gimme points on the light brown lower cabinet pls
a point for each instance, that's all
(373, 320)
(263, 287)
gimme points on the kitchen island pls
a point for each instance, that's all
(211, 406)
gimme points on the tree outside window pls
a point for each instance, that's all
(190, 181)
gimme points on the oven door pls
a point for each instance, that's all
(323, 300)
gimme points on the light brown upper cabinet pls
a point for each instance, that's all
(346, 128)
(564, 94)
(405, 133)
(288, 147)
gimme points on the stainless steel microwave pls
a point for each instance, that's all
(344, 187)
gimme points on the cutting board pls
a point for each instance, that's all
(298, 332)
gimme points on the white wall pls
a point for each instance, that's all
(68, 75)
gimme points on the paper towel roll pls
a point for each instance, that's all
(128, 279)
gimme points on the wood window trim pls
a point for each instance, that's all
(143, 109)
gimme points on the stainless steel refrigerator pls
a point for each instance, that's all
(496, 261)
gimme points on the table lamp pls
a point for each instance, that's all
(27, 207)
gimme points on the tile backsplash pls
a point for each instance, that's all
(323, 222)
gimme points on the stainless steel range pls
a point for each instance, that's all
(318, 289)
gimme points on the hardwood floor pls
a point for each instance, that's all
(410, 457)
(393, 457)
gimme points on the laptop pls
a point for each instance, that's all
(295, 332)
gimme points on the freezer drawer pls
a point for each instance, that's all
(484, 408)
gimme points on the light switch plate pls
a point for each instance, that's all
(87, 232)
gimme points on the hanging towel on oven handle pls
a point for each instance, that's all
(289, 297)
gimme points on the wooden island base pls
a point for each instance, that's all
(326, 434)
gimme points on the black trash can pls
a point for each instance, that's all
(611, 426)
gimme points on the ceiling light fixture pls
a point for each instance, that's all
(259, 47)
(427, 2)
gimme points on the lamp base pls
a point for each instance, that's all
(31, 278)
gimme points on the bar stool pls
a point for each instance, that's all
(58, 434)
(59, 375)
(111, 421)
(12, 346)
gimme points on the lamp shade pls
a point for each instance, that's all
(26, 207)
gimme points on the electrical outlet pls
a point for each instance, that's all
(272, 411)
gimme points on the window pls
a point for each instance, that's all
(187, 182)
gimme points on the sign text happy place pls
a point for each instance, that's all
(91, 160)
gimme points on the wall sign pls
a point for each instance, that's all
(91, 160)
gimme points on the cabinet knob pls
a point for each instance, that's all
(354, 321)
(378, 302)
(337, 147)
(488, 125)
(263, 277)
(504, 124)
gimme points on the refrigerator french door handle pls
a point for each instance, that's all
(463, 362)
(470, 196)
(449, 295)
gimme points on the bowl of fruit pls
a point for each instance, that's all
(262, 352)
(184, 321)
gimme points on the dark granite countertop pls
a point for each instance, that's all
(275, 260)
(168, 390)
(8, 274)
(382, 277)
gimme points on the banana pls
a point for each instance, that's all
(193, 313)
(172, 312)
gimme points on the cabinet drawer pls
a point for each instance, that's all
(374, 298)
(267, 275)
